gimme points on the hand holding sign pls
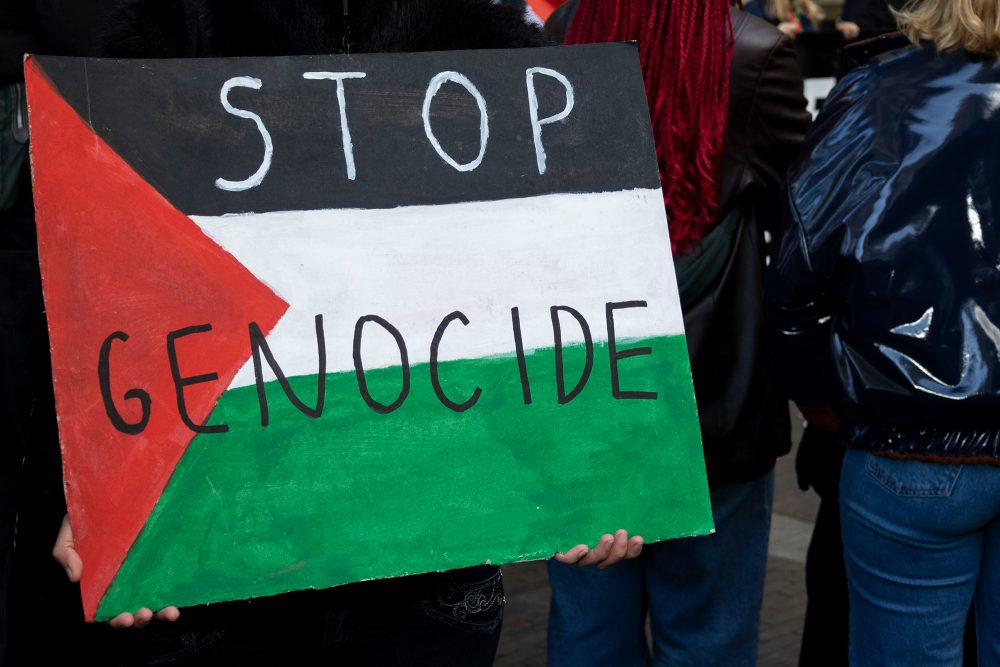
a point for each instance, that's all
(64, 553)
(359, 335)
(610, 550)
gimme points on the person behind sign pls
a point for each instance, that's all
(885, 301)
(31, 491)
(727, 121)
(790, 16)
(387, 622)
(868, 18)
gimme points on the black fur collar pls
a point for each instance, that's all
(205, 28)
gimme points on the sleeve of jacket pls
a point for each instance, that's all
(779, 118)
(798, 308)
(801, 301)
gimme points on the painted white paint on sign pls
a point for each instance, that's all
(414, 265)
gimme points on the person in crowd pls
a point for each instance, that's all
(31, 494)
(389, 622)
(818, 459)
(790, 16)
(728, 116)
(870, 26)
(864, 19)
(820, 453)
(885, 299)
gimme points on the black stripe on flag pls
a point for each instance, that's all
(167, 118)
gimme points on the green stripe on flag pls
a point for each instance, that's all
(356, 495)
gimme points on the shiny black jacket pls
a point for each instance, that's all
(886, 291)
(744, 418)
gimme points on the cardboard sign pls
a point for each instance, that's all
(318, 320)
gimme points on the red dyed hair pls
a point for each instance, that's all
(685, 48)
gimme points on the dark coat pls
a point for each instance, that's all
(886, 292)
(171, 28)
(216, 28)
(744, 417)
(874, 17)
(52, 27)
(744, 420)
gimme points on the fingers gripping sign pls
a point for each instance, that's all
(64, 552)
(608, 551)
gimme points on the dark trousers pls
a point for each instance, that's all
(31, 502)
(824, 636)
(450, 618)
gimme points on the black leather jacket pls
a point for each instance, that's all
(744, 418)
(886, 292)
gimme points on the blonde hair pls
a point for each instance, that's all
(780, 9)
(973, 25)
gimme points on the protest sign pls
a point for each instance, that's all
(316, 320)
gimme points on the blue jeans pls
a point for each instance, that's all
(921, 542)
(702, 594)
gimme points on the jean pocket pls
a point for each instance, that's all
(913, 478)
(470, 605)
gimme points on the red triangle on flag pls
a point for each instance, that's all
(544, 8)
(117, 257)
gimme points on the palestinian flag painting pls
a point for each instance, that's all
(318, 320)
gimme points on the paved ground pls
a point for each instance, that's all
(523, 640)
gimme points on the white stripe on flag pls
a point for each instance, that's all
(414, 265)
